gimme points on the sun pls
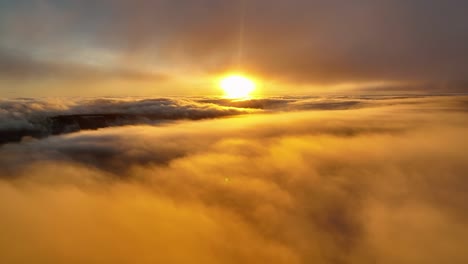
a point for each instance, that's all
(237, 86)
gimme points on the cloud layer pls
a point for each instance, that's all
(368, 184)
(39, 118)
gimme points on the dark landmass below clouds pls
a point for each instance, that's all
(378, 181)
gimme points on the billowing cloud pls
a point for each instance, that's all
(363, 184)
(44, 117)
(39, 118)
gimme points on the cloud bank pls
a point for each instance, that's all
(39, 118)
(366, 184)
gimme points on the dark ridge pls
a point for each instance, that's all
(71, 123)
(8, 136)
(63, 124)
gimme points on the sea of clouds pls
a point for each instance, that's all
(206, 180)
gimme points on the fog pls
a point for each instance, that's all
(380, 183)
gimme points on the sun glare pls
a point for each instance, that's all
(237, 86)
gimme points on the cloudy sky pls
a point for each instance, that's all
(117, 144)
(179, 47)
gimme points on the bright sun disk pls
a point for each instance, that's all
(237, 86)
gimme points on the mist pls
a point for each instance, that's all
(380, 180)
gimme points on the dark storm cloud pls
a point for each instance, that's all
(292, 187)
(315, 42)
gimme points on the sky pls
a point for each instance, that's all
(118, 145)
(181, 47)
